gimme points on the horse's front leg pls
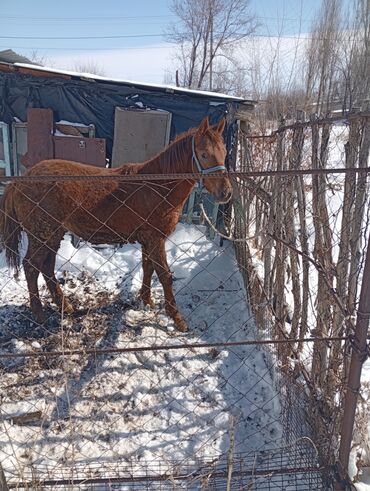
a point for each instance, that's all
(158, 256)
(148, 269)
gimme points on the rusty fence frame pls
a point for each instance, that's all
(360, 352)
(188, 175)
(138, 349)
(359, 341)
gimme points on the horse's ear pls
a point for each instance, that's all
(220, 126)
(204, 126)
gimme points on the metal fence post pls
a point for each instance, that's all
(359, 355)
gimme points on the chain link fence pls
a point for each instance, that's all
(306, 202)
(113, 396)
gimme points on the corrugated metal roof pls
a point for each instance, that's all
(10, 56)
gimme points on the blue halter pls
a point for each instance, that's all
(203, 171)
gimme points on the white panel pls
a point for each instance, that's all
(19, 137)
(139, 135)
(4, 149)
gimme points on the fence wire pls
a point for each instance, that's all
(259, 416)
(308, 235)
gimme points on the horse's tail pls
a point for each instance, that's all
(10, 229)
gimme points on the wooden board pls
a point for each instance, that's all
(85, 150)
(39, 136)
(42, 145)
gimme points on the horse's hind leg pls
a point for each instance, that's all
(148, 269)
(158, 256)
(48, 271)
(32, 265)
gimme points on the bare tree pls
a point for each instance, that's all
(88, 66)
(39, 59)
(356, 56)
(323, 55)
(207, 32)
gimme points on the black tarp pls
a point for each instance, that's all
(92, 101)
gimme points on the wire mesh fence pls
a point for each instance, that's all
(113, 407)
(105, 391)
(307, 218)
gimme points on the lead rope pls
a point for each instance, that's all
(226, 237)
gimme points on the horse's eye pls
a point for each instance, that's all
(204, 155)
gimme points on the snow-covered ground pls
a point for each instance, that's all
(139, 407)
(144, 411)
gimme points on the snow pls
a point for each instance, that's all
(166, 88)
(64, 121)
(135, 407)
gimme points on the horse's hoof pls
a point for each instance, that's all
(178, 320)
(39, 317)
(146, 303)
(182, 326)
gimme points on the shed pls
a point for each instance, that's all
(122, 117)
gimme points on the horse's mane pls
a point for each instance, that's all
(170, 160)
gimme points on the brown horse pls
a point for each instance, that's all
(110, 211)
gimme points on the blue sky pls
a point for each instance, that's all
(126, 37)
(23, 18)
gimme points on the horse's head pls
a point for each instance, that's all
(209, 154)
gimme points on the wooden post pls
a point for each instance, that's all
(3, 484)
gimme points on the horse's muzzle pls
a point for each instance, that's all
(224, 196)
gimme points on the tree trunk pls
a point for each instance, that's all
(280, 248)
(295, 158)
(342, 268)
(362, 195)
(319, 357)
